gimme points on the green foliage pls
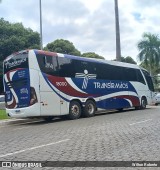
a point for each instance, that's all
(156, 81)
(155, 70)
(149, 54)
(3, 114)
(92, 55)
(127, 59)
(14, 37)
(62, 46)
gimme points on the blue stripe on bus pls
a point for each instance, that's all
(112, 103)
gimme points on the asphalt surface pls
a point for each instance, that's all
(131, 135)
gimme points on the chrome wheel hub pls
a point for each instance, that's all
(75, 110)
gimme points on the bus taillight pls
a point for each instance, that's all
(33, 96)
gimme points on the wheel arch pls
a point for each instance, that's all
(81, 102)
(92, 99)
(78, 100)
(144, 97)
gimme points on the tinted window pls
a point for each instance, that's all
(149, 80)
(102, 71)
(16, 61)
(81, 66)
(130, 74)
(117, 73)
(66, 67)
(110, 72)
(48, 64)
(140, 77)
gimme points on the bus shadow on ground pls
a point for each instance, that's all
(106, 112)
(63, 119)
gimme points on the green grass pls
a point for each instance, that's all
(3, 114)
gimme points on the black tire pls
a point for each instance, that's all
(143, 103)
(137, 107)
(64, 117)
(156, 104)
(89, 109)
(48, 119)
(120, 109)
(74, 110)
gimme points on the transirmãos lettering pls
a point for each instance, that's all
(15, 63)
(110, 85)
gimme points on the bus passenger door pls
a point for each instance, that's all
(50, 100)
(63, 105)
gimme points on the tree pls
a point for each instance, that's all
(92, 55)
(127, 59)
(149, 48)
(62, 46)
(155, 69)
(15, 37)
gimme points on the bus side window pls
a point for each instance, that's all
(80, 66)
(103, 71)
(109, 72)
(48, 64)
(51, 65)
(130, 74)
(149, 80)
(117, 73)
(66, 67)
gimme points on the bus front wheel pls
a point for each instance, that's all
(74, 110)
(89, 109)
(143, 103)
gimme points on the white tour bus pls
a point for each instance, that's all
(45, 84)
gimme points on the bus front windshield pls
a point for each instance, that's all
(16, 80)
(149, 80)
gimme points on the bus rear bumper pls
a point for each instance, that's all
(26, 112)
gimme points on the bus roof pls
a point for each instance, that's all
(117, 63)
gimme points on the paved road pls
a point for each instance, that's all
(111, 136)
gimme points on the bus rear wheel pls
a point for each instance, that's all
(74, 110)
(89, 109)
